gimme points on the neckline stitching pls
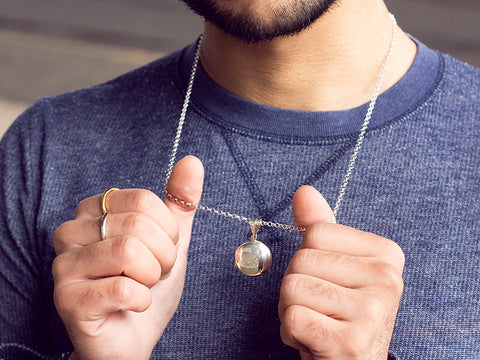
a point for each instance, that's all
(302, 140)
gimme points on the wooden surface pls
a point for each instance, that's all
(52, 46)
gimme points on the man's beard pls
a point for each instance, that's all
(282, 19)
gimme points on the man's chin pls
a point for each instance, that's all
(255, 25)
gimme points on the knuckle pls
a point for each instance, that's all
(297, 322)
(119, 290)
(398, 254)
(394, 252)
(81, 208)
(142, 199)
(169, 258)
(126, 250)
(389, 278)
(59, 267)
(156, 275)
(61, 234)
(134, 223)
(396, 287)
(300, 258)
(371, 309)
(291, 322)
(289, 287)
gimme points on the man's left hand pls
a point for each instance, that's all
(340, 294)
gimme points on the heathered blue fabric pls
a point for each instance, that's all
(416, 182)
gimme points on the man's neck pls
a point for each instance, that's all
(332, 65)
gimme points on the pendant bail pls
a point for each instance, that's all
(255, 225)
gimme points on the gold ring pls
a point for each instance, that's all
(105, 195)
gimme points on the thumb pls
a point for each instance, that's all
(310, 207)
(185, 184)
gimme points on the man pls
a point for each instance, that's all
(278, 100)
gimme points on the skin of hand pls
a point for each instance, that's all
(340, 293)
(116, 296)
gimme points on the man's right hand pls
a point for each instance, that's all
(116, 296)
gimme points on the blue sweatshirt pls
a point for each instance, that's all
(416, 182)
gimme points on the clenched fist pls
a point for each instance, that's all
(340, 293)
(116, 296)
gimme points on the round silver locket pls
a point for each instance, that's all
(253, 258)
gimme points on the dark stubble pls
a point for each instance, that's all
(285, 18)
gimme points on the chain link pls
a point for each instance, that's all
(183, 114)
(233, 216)
(351, 163)
(366, 121)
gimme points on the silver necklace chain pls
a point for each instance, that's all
(351, 164)
(366, 121)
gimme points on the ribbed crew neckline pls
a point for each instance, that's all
(233, 112)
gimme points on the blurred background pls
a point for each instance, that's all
(52, 46)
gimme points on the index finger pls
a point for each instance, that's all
(350, 241)
(130, 201)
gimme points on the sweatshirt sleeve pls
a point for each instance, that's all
(16, 351)
(23, 318)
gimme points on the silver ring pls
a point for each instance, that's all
(103, 227)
